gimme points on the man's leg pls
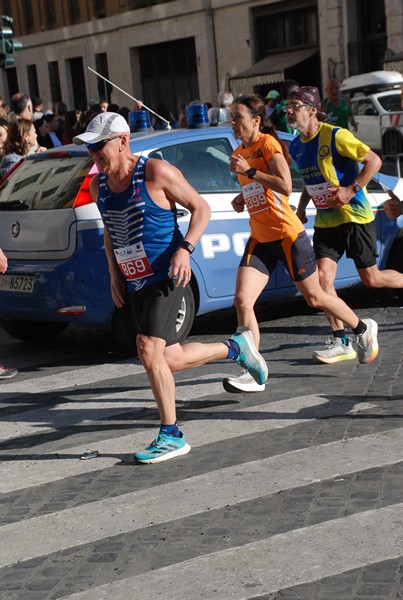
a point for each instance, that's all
(366, 331)
(338, 347)
(327, 269)
(160, 360)
(374, 278)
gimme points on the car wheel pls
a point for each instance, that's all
(392, 142)
(32, 331)
(125, 329)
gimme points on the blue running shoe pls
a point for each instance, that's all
(164, 447)
(249, 356)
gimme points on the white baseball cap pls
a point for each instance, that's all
(101, 127)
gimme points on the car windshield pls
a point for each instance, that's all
(204, 163)
(45, 183)
(391, 103)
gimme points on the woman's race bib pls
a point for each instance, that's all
(319, 194)
(133, 262)
(255, 197)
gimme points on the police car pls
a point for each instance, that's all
(52, 233)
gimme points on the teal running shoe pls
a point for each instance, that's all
(164, 447)
(249, 356)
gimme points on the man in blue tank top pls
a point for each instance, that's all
(148, 257)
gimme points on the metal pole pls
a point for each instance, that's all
(132, 97)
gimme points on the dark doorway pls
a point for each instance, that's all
(368, 39)
(12, 81)
(169, 74)
(77, 83)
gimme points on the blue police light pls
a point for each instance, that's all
(197, 116)
(139, 120)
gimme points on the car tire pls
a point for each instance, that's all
(125, 330)
(392, 143)
(32, 331)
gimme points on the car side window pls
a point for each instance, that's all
(204, 163)
(365, 107)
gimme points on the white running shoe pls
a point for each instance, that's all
(335, 352)
(242, 383)
(367, 342)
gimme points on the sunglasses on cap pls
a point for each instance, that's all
(99, 145)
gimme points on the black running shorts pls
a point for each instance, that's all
(357, 240)
(155, 310)
(295, 253)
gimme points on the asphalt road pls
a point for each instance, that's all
(290, 493)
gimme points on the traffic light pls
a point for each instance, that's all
(7, 44)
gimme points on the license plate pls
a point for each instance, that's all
(17, 283)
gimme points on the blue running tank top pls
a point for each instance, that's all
(144, 235)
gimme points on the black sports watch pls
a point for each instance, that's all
(356, 187)
(251, 173)
(187, 245)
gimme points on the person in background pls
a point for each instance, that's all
(21, 106)
(3, 135)
(113, 107)
(137, 105)
(53, 123)
(42, 132)
(37, 108)
(21, 140)
(329, 159)
(163, 111)
(221, 112)
(60, 111)
(149, 266)
(104, 105)
(182, 116)
(278, 117)
(271, 100)
(72, 125)
(124, 111)
(337, 108)
(4, 372)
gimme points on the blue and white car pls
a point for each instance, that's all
(52, 234)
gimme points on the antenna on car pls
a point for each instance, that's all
(131, 97)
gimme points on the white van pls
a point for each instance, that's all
(376, 103)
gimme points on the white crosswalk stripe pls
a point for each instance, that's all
(243, 570)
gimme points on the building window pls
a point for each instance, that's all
(12, 81)
(28, 16)
(169, 74)
(286, 30)
(54, 80)
(50, 14)
(74, 11)
(32, 81)
(99, 9)
(104, 88)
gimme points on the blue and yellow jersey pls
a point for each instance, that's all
(330, 158)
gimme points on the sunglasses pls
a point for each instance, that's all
(99, 145)
(294, 106)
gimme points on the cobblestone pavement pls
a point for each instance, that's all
(290, 493)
